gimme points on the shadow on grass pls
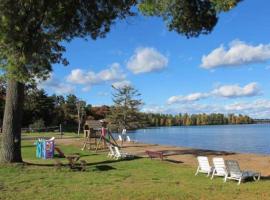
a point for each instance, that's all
(195, 152)
(103, 168)
(88, 164)
(265, 178)
(173, 161)
(28, 146)
(81, 155)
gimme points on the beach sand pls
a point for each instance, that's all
(187, 156)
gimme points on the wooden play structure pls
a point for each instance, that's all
(94, 139)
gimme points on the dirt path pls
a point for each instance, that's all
(187, 156)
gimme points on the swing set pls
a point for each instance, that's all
(97, 136)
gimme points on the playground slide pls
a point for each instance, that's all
(61, 153)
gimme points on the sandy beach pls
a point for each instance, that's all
(187, 156)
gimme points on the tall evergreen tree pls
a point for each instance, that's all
(125, 111)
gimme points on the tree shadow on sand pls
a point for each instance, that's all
(196, 152)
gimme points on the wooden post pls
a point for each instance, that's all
(60, 128)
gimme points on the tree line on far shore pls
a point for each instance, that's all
(196, 119)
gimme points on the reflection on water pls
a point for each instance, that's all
(253, 138)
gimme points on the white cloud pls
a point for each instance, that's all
(238, 53)
(147, 60)
(113, 73)
(56, 86)
(259, 108)
(103, 94)
(233, 91)
(121, 84)
(190, 108)
(86, 88)
(267, 67)
(226, 91)
(188, 98)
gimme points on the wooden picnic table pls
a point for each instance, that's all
(155, 154)
(72, 162)
(73, 159)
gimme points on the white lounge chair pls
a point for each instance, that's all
(120, 138)
(219, 168)
(111, 153)
(120, 155)
(235, 173)
(128, 138)
(204, 166)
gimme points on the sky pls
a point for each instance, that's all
(226, 71)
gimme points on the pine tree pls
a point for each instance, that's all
(125, 111)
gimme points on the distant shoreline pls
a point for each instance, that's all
(199, 125)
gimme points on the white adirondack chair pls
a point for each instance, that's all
(120, 155)
(111, 153)
(219, 168)
(204, 166)
(120, 138)
(235, 173)
(128, 139)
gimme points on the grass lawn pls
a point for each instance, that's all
(108, 179)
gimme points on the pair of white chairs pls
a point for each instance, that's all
(228, 169)
(117, 154)
(120, 138)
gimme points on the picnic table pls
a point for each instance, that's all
(72, 162)
(73, 159)
(155, 154)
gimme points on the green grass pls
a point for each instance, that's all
(108, 179)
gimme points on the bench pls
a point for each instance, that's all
(155, 154)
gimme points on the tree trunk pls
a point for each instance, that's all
(79, 122)
(11, 142)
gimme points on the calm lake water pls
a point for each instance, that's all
(254, 138)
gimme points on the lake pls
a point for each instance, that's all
(252, 138)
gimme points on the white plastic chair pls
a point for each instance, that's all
(219, 168)
(111, 153)
(204, 166)
(235, 173)
(128, 139)
(120, 138)
(119, 154)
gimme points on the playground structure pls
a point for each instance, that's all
(94, 139)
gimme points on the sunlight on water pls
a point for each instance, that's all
(253, 138)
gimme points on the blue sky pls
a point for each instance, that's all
(226, 71)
